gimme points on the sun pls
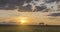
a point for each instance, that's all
(23, 20)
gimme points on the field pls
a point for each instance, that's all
(29, 28)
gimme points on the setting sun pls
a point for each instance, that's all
(23, 20)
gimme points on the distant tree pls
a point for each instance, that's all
(42, 23)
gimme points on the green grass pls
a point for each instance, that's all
(28, 29)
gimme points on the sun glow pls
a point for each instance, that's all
(23, 20)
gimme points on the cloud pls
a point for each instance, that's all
(50, 1)
(54, 14)
(29, 5)
(52, 5)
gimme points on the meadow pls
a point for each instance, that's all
(29, 28)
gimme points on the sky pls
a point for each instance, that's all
(36, 11)
(30, 5)
(34, 17)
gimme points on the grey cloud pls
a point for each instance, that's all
(49, 1)
(28, 1)
(54, 14)
(40, 8)
(11, 5)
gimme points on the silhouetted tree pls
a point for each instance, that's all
(42, 23)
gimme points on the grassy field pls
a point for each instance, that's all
(30, 28)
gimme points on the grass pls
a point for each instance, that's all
(31, 28)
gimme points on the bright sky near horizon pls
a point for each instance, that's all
(34, 17)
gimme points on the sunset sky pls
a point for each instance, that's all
(34, 17)
(30, 12)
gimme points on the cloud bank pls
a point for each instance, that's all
(30, 5)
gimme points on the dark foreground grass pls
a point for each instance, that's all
(29, 28)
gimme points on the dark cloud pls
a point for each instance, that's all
(13, 3)
(10, 3)
(49, 1)
(25, 9)
(58, 0)
(40, 8)
(28, 1)
(54, 14)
